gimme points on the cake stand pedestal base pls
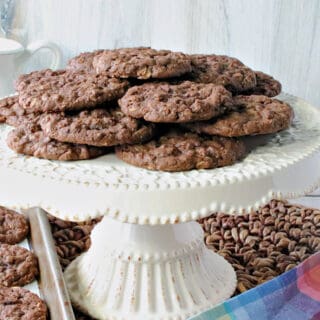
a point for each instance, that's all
(148, 272)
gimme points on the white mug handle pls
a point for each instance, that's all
(34, 47)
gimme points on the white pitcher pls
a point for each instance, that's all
(13, 56)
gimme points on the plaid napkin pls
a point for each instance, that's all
(295, 295)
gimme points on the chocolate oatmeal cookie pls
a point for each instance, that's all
(180, 151)
(13, 226)
(6, 105)
(184, 102)
(266, 85)
(14, 115)
(99, 127)
(30, 79)
(18, 266)
(222, 70)
(20, 304)
(252, 115)
(36, 143)
(68, 90)
(83, 61)
(142, 63)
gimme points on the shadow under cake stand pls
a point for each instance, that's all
(148, 259)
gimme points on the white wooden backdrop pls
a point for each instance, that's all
(281, 37)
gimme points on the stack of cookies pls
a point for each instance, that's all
(161, 110)
(18, 267)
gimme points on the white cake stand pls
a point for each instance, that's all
(148, 259)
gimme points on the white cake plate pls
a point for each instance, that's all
(148, 259)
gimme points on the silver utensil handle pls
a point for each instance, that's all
(52, 284)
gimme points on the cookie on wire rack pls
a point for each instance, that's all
(21, 304)
(18, 266)
(13, 226)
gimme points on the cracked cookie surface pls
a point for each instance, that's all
(18, 266)
(99, 127)
(13, 226)
(266, 85)
(222, 70)
(36, 143)
(83, 61)
(26, 80)
(142, 63)
(20, 304)
(14, 115)
(183, 102)
(182, 151)
(252, 115)
(6, 106)
(56, 91)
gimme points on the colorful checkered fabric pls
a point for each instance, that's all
(295, 295)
